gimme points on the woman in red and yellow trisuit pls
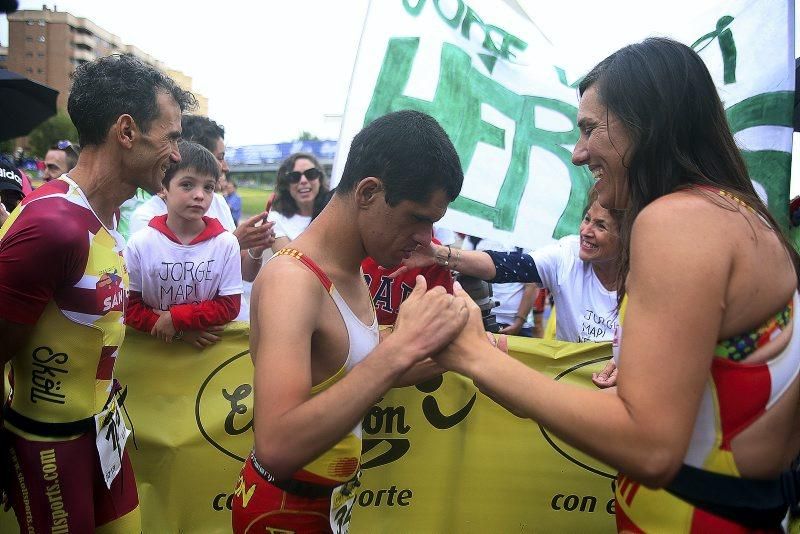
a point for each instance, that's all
(703, 425)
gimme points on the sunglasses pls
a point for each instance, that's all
(66, 146)
(311, 174)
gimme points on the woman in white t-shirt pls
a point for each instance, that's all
(579, 270)
(301, 184)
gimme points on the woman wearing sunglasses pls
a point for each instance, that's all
(301, 184)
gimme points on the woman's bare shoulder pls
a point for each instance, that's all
(686, 215)
(689, 203)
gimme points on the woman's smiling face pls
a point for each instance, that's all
(599, 236)
(304, 191)
(604, 146)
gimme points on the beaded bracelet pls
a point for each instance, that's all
(455, 262)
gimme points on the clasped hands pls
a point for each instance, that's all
(446, 328)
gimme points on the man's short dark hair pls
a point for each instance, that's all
(115, 85)
(411, 155)
(202, 130)
(193, 156)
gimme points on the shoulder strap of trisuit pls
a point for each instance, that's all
(308, 262)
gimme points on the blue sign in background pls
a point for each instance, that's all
(275, 153)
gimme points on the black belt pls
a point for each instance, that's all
(65, 429)
(749, 502)
(48, 430)
(300, 488)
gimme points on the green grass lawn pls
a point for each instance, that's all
(253, 200)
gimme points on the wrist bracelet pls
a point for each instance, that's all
(520, 318)
(455, 262)
(444, 262)
(250, 253)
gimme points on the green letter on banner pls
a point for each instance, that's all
(770, 168)
(726, 45)
(457, 106)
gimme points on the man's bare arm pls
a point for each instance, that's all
(291, 427)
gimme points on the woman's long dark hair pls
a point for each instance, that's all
(284, 203)
(664, 95)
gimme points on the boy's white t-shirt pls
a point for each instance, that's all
(167, 273)
(290, 227)
(219, 210)
(585, 310)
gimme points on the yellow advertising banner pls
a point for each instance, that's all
(438, 457)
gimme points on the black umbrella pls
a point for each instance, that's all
(8, 6)
(796, 95)
(24, 104)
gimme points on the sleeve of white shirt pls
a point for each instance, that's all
(142, 215)
(548, 262)
(222, 212)
(133, 264)
(231, 281)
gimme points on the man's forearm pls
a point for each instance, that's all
(286, 442)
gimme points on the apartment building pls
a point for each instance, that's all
(47, 45)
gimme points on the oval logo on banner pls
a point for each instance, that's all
(573, 455)
(224, 407)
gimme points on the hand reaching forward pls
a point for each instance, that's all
(423, 256)
(429, 320)
(255, 233)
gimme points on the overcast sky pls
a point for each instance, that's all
(272, 69)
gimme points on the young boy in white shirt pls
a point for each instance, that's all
(184, 267)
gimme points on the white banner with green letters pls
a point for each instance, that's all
(498, 88)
